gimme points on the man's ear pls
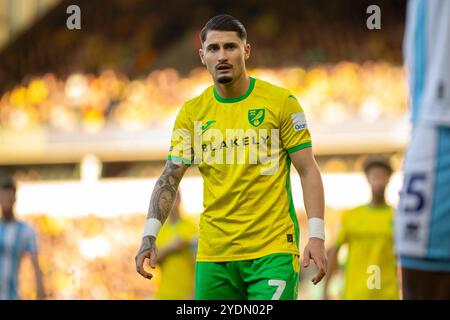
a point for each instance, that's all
(247, 50)
(202, 55)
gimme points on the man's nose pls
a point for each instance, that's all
(222, 55)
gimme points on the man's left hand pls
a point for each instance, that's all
(315, 250)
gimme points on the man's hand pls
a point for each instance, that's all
(146, 251)
(174, 246)
(177, 244)
(41, 295)
(315, 250)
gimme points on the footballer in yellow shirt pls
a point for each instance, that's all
(243, 133)
(176, 258)
(368, 231)
(239, 199)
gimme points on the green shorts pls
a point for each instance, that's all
(272, 277)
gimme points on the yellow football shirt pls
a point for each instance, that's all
(371, 268)
(242, 146)
(177, 269)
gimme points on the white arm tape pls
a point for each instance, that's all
(316, 228)
(152, 227)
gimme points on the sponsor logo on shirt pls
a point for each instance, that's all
(299, 121)
(207, 125)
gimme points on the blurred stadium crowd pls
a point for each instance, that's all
(329, 94)
(136, 37)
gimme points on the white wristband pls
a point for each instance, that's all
(316, 228)
(152, 227)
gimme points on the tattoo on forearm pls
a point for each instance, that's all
(165, 191)
(148, 243)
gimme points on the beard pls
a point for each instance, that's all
(224, 79)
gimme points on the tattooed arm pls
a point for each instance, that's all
(161, 202)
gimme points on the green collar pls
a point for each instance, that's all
(237, 99)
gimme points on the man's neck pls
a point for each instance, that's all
(378, 202)
(235, 89)
(173, 221)
(173, 218)
(8, 219)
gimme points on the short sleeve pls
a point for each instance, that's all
(294, 131)
(181, 144)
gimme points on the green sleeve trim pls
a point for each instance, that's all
(300, 147)
(179, 159)
(237, 99)
(292, 212)
(293, 97)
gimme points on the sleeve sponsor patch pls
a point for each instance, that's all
(299, 121)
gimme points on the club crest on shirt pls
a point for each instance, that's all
(256, 116)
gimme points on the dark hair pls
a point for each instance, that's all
(224, 22)
(380, 162)
(7, 183)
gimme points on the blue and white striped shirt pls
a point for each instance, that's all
(16, 238)
(426, 50)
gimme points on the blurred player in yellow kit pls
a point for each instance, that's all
(368, 230)
(176, 257)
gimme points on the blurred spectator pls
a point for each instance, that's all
(371, 269)
(176, 257)
(16, 238)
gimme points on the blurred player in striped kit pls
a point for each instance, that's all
(423, 217)
(16, 238)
